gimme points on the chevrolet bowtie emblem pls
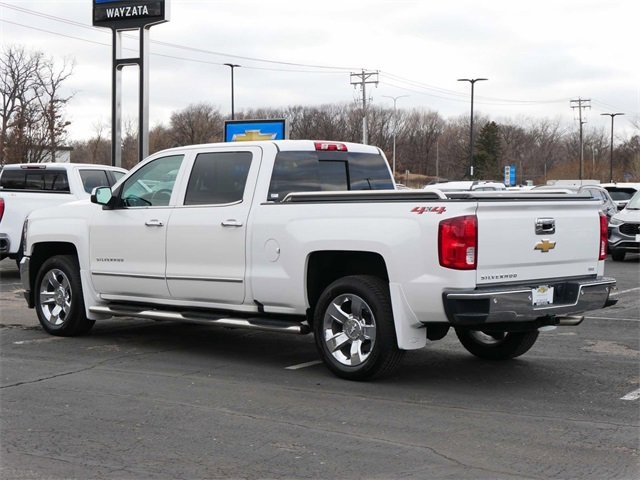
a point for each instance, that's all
(251, 135)
(545, 245)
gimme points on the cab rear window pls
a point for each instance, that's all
(35, 180)
(317, 171)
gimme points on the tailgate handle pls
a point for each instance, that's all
(545, 226)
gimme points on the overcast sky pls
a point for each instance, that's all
(537, 56)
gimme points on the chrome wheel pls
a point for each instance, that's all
(349, 328)
(55, 297)
(58, 298)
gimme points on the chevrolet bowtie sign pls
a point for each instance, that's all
(545, 245)
(125, 14)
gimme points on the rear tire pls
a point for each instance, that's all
(617, 256)
(497, 346)
(58, 297)
(354, 328)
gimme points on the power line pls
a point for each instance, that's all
(392, 79)
(464, 97)
(341, 72)
(165, 44)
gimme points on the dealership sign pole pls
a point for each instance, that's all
(119, 16)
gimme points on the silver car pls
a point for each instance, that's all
(624, 230)
(607, 205)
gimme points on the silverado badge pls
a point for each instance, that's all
(545, 245)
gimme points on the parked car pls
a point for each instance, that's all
(25, 187)
(608, 206)
(621, 192)
(624, 230)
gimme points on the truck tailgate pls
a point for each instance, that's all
(536, 239)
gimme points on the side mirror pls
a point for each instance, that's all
(101, 195)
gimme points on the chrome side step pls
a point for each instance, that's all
(255, 323)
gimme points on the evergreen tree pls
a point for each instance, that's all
(487, 156)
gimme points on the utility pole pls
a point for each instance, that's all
(472, 81)
(232, 66)
(580, 106)
(612, 115)
(362, 79)
(395, 128)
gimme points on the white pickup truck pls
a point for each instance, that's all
(25, 187)
(217, 234)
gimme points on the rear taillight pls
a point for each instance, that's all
(330, 146)
(604, 223)
(1, 208)
(458, 242)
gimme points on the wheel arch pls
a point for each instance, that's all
(41, 252)
(326, 266)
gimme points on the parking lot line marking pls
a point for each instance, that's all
(630, 290)
(635, 395)
(303, 365)
(614, 319)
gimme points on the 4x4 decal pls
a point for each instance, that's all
(420, 210)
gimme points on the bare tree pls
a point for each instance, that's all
(200, 123)
(32, 114)
(52, 103)
(18, 87)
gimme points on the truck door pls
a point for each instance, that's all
(128, 243)
(206, 236)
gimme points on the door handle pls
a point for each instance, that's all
(154, 223)
(231, 223)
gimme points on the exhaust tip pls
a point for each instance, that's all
(570, 320)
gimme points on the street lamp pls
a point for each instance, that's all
(612, 115)
(395, 128)
(232, 66)
(472, 81)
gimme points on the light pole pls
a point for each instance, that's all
(472, 81)
(232, 66)
(612, 115)
(395, 128)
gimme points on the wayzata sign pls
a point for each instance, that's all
(126, 14)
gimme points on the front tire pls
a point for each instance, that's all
(59, 301)
(497, 345)
(354, 329)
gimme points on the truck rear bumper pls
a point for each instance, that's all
(515, 304)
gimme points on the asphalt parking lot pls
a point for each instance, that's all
(141, 399)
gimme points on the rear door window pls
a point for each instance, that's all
(218, 178)
(93, 178)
